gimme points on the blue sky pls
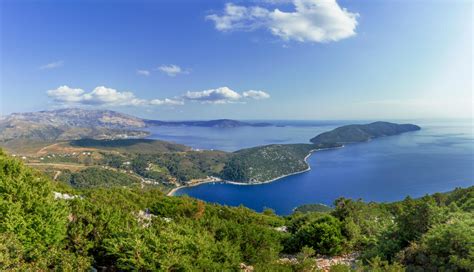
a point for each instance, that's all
(300, 59)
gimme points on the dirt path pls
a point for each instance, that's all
(58, 165)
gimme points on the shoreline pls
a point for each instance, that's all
(174, 190)
(204, 181)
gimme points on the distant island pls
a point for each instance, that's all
(362, 133)
(85, 148)
(219, 123)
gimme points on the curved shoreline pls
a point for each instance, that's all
(174, 190)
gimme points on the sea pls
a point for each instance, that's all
(438, 158)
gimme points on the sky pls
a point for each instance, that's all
(261, 59)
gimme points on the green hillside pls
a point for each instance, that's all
(133, 229)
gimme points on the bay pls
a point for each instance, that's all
(438, 158)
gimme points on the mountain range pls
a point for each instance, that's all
(75, 123)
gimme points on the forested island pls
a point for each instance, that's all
(362, 133)
(48, 225)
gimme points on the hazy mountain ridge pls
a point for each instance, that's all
(75, 123)
(69, 124)
(218, 123)
(79, 117)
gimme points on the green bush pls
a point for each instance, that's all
(446, 247)
(322, 234)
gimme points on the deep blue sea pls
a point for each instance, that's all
(438, 158)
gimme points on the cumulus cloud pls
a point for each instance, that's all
(223, 95)
(166, 101)
(103, 96)
(66, 94)
(219, 95)
(311, 20)
(256, 94)
(172, 70)
(52, 65)
(143, 72)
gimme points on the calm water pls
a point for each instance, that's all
(438, 158)
(232, 139)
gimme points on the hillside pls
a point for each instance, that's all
(269, 162)
(142, 146)
(69, 124)
(264, 163)
(362, 133)
(46, 225)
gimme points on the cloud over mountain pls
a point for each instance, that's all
(102, 95)
(310, 21)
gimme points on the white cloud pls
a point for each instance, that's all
(239, 17)
(311, 21)
(223, 95)
(107, 96)
(52, 65)
(166, 101)
(219, 95)
(256, 94)
(66, 94)
(143, 72)
(103, 96)
(172, 70)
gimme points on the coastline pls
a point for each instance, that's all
(210, 180)
(204, 181)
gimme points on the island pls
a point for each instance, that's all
(362, 133)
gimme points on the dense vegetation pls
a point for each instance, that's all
(141, 229)
(171, 166)
(142, 146)
(96, 177)
(313, 208)
(264, 163)
(362, 133)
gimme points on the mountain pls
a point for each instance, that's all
(72, 124)
(219, 123)
(362, 133)
(68, 124)
(79, 118)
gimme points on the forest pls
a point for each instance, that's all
(131, 228)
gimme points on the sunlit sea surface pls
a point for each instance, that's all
(438, 158)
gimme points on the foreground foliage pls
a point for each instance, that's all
(129, 228)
